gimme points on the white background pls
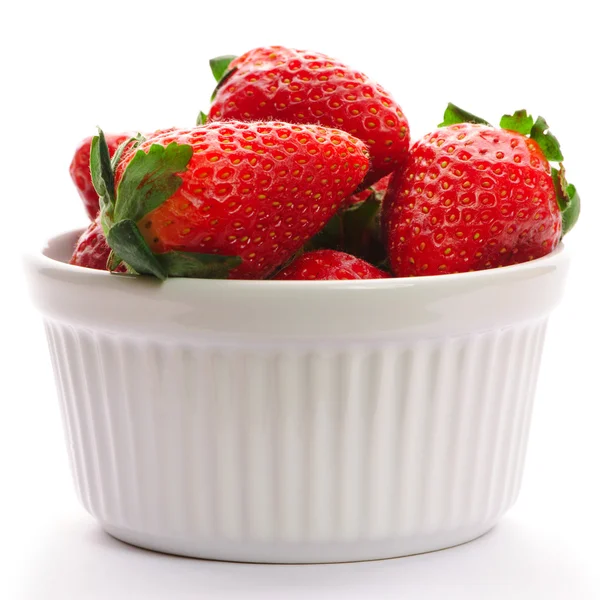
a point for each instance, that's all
(125, 65)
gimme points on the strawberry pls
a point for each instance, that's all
(473, 197)
(91, 250)
(225, 199)
(329, 264)
(80, 170)
(307, 87)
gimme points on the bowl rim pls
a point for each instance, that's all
(38, 254)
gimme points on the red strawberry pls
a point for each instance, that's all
(223, 199)
(307, 87)
(91, 249)
(473, 197)
(80, 170)
(330, 264)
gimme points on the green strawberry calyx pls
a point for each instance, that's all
(537, 130)
(221, 72)
(453, 115)
(355, 229)
(220, 66)
(568, 199)
(149, 179)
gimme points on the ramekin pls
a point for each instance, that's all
(295, 422)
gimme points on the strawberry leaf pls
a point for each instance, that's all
(568, 199)
(135, 140)
(546, 141)
(149, 179)
(202, 118)
(127, 242)
(573, 209)
(193, 264)
(219, 65)
(103, 177)
(453, 114)
(129, 246)
(520, 122)
(221, 71)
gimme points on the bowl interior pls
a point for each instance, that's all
(61, 247)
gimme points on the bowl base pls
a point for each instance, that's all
(300, 552)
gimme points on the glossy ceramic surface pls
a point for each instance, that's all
(295, 421)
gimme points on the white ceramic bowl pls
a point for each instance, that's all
(282, 421)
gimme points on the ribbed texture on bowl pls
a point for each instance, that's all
(297, 453)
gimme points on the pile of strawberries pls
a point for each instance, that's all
(303, 169)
